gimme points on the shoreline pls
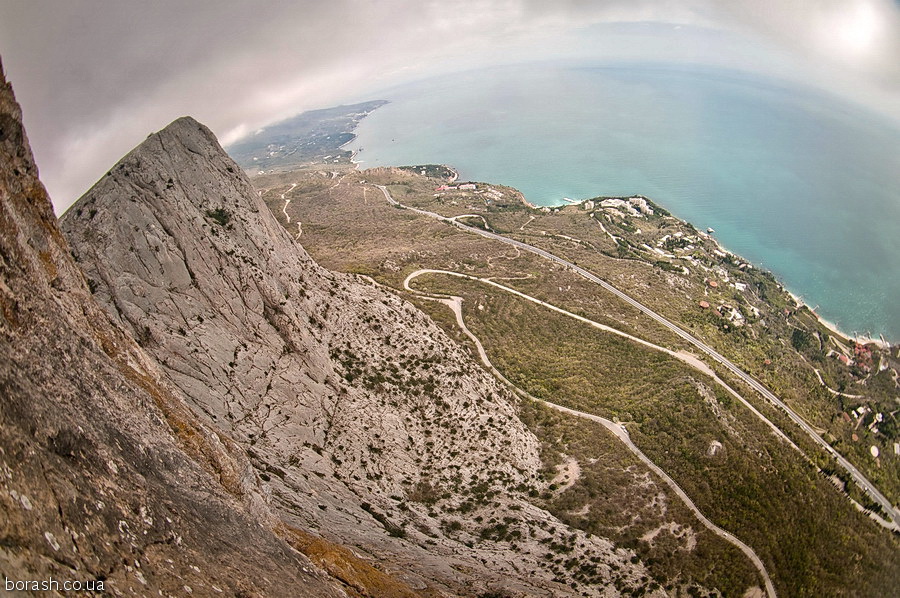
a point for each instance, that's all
(565, 201)
(881, 342)
(831, 326)
(352, 152)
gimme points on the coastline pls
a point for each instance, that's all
(565, 201)
(860, 340)
(799, 303)
(353, 153)
(881, 343)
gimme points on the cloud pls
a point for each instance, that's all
(95, 77)
(861, 34)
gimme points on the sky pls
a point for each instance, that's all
(95, 77)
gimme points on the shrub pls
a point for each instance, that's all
(220, 215)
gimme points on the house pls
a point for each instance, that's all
(467, 187)
(704, 304)
(733, 314)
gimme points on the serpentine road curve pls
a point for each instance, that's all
(620, 432)
(867, 486)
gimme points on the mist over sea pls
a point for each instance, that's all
(797, 182)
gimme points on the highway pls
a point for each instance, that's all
(861, 481)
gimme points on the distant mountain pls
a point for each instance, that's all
(313, 136)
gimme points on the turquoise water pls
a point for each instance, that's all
(797, 182)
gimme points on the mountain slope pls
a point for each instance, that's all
(362, 418)
(105, 475)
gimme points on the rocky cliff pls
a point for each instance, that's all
(363, 421)
(105, 475)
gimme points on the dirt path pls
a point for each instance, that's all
(287, 202)
(864, 483)
(833, 391)
(691, 360)
(603, 228)
(619, 430)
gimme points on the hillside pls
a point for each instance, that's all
(366, 423)
(740, 457)
(192, 404)
(108, 479)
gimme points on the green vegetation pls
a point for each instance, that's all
(616, 497)
(754, 486)
(433, 171)
(812, 540)
(221, 216)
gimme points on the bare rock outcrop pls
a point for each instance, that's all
(106, 477)
(363, 420)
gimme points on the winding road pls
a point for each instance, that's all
(861, 481)
(287, 202)
(619, 430)
(687, 358)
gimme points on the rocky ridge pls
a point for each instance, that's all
(363, 421)
(105, 475)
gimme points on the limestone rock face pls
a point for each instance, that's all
(105, 474)
(362, 419)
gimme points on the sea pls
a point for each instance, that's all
(796, 181)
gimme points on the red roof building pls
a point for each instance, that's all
(862, 352)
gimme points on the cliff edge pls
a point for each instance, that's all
(365, 423)
(106, 477)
